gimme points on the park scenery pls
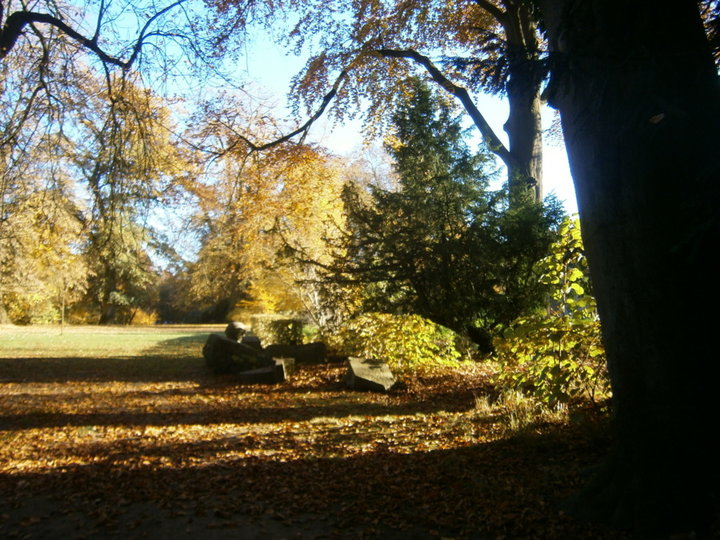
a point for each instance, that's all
(359, 269)
(125, 432)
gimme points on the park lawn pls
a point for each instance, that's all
(123, 431)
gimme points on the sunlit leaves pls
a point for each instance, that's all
(558, 356)
(146, 427)
(260, 209)
(406, 342)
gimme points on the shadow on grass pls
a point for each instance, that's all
(206, 399)
(506, 489)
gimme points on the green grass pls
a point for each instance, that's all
(94, 353)
(102, 342)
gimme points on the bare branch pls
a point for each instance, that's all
(16, 23)
(491, 139)
(302, 129)
(101, 13)
(142, 35)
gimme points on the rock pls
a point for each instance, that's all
(366, 374)
(274, 374)
(223, 355)
(252, 341)
(309, 353)
(288, 366)
(235, 330)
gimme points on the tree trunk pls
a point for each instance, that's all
(108, 309)
(524, 129)
(4, 318)
(108, 313)
(525, 78)
(640, 106)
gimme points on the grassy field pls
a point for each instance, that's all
(122, 432)
(103, 341)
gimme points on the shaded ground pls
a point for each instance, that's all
(147, 443)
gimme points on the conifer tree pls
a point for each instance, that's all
(443, 245)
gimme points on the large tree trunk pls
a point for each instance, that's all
(640, 106)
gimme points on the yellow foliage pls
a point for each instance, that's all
(268, 205)
(141, 317)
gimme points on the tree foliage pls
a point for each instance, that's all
(85, 159)
(254, 211)
(557, 355)
(442, 245)
(370, 50)
(408, 343)
(129, 164)
(43, 268)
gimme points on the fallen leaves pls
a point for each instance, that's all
(305, 457)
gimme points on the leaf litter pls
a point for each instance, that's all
(182, 456)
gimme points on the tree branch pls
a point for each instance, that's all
(16, 23)
(302, 129)
(493, 10)
(491, 139)
(142, 35)
(101, 13)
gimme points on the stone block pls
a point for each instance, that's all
(367, 374)
(223, 355)
(235, 330)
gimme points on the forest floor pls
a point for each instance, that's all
(123, 433)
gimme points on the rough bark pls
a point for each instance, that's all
(524, 129)
(640, 106)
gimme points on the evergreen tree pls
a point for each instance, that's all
(442, 245)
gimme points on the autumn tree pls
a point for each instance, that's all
(442, 245)
(370, 50)
(311, 213)
(38, 198)
(256, 206)
(129, 163)
(638, 94)
(41, 246)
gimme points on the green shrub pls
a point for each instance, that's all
(558, 356)
(554, 359)
(277, 329)
(404, 341)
